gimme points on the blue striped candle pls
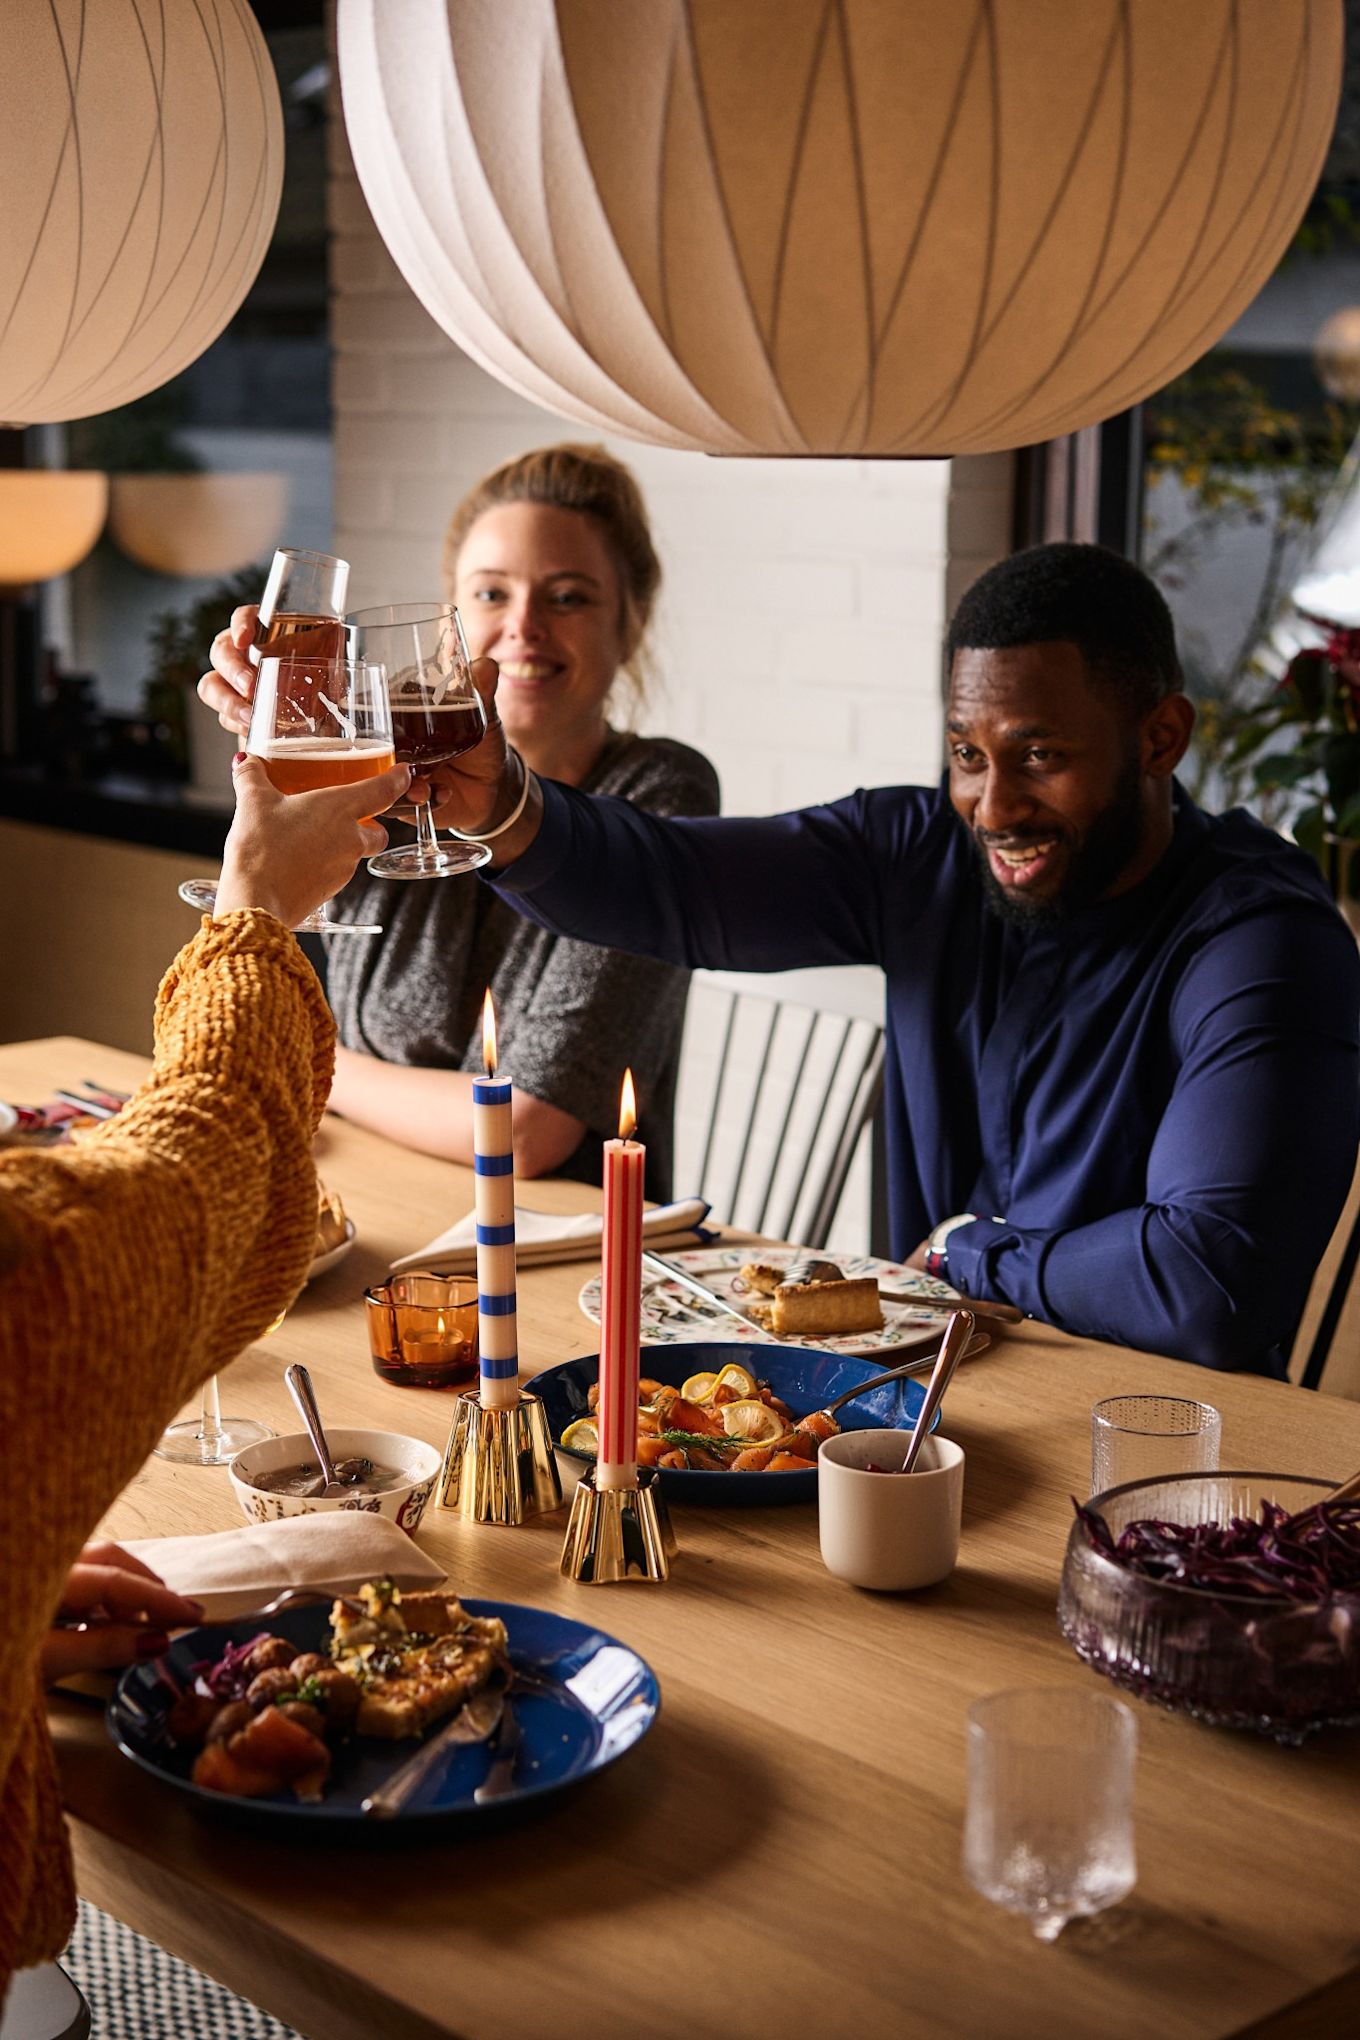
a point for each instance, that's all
(493, 1159)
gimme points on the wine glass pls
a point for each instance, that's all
(1049, 1827)
(210, 1439)
(315, 722)
(436, 714)
(303, 607)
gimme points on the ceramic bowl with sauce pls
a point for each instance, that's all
(407, 1467)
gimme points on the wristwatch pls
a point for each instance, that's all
(937, 1256)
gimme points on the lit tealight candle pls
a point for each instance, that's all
(625, 1160)
(494, 1163)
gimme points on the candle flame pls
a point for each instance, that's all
(627, 1108)
(439, 1325)
(489, 1035)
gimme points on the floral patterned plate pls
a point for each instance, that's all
(673, 1315)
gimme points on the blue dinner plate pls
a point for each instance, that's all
(592, 1698)
(806, 1381)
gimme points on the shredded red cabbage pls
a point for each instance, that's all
(226, 1679)
(1318, 1557)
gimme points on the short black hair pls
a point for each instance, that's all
(1083, 595)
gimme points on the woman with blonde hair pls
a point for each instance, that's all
(551, 563)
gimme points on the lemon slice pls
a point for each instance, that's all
(582, 1436)
(733, 1376)
(755, 1421)
(700, 1387)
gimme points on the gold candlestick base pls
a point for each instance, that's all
(499, 1465)
(618, 1533)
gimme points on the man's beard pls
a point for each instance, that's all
(1108, 848)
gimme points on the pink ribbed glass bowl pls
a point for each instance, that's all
(1280, 1668)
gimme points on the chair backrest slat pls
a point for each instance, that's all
(813, 1077)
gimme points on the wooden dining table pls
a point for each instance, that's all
(781, 1854)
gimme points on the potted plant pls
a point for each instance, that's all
(1304, 741)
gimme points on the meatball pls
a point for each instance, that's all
(266, 1654)
(274, 1684)
(228, 1719)
(309, 1662)
(339, 1696)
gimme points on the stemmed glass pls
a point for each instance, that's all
(1049, 1827)
(315, 722)
(210, 1439)
(436, 714)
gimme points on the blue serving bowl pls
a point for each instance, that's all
(805, 1380)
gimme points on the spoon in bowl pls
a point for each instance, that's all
(331, 1485)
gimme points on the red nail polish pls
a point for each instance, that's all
(239, 759)
(154, 1644)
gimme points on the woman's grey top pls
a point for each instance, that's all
(569, 1017)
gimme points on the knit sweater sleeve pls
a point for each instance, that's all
(131, 1268)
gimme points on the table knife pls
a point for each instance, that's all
(1006, 1313)
(474, 1722)
(660, 1266)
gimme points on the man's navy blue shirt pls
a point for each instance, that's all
(1154, 1103)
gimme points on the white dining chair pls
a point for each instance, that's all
(780, 1077)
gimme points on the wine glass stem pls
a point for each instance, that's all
(212, 1411)
(427, 841)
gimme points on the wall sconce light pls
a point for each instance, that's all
(197, 524)
(49, 520)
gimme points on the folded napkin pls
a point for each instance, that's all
(542, 1236)
(233, 1571)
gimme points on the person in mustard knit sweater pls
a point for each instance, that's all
(133, 1267)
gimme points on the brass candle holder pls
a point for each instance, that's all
(499, 1465)
(618, 1533)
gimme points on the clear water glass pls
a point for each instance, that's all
(1144, 1437)
(1049, 1827)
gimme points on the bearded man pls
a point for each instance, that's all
(1123, 1076)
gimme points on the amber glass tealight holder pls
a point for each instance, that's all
(422, 1329)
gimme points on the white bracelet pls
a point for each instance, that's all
(489, 835)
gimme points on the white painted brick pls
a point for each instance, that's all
(397, 445)
(905, 591)
(363, 264)
(369, 504)
(358, 383)
(385, 569)
(384, 325)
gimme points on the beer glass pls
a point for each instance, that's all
(303, 607)
(315, 722)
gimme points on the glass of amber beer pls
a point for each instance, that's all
(321, 722)
(303, 607)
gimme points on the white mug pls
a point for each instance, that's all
(889, 1531)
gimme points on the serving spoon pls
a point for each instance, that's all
(333, 1485)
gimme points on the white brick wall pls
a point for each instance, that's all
(798, 634)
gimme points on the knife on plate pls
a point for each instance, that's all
(660, 1266)
(477, 1720)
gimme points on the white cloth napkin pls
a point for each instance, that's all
(233, 1571)
(549, 1236)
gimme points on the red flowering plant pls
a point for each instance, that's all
(1304, 742)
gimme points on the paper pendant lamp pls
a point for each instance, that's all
(141, 160)
(838, 226)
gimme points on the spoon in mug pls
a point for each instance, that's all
(332, 1484)
(952, 1348)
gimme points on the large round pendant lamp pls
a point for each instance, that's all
(141, 160)
(838, 226)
